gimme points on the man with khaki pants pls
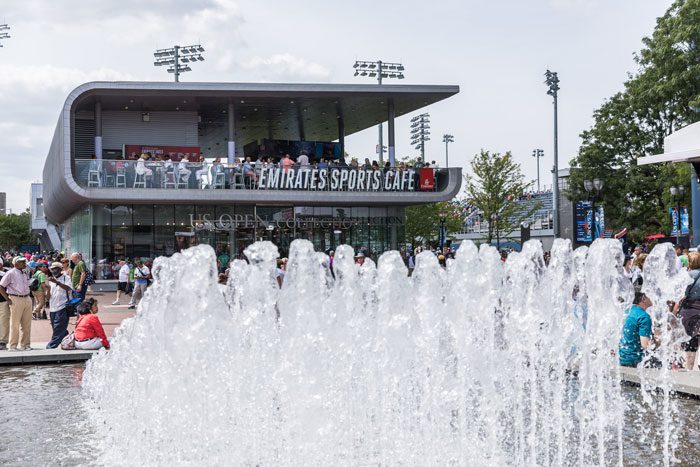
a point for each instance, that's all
(14, 287)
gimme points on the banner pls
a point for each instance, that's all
(427, 180)
(683, 221)
(588, 224)
(134, 151)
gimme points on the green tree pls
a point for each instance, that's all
(494, 188)
(663, 96)
(423, 221)
(15, 231)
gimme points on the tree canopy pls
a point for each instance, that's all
(494, 189)
(15, 231)
(661, 97)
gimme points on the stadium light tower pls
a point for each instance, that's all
(3, 34)
(379, 69)
(447, 139)
(552, 82)
(173, 56)
(420, 132)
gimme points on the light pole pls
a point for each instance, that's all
(420, 132)
(447, 139)
(593, 188)
(3, 34)
(677, 193)
(379, 69)
(174, 55)
(552, 81)
(538, 154)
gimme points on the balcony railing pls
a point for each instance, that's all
(93, 173)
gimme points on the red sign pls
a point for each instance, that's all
(192, 153)
(427, 180)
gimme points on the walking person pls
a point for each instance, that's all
(123, 285)
(141, 275)
(60, 289)
(14, 287)
(39, 311)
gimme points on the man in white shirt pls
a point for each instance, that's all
(60, 291)
(14, 287)
(303, 160)
(123, 286)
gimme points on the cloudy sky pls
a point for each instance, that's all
(496, 51)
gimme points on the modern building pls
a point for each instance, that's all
(3, 203)
(108, 203)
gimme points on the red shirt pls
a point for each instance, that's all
(89, 327)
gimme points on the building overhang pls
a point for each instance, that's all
(680, 146)
(264, 108)
(63, 196)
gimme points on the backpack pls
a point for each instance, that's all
(89, 279)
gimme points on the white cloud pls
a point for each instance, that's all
(287, 67)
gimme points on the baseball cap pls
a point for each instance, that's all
(17, 259)
(55, 265)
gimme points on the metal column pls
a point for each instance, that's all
(98, 129)
(341, 128)
(231, 134)
(392, 139)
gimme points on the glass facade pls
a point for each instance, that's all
(107, 233)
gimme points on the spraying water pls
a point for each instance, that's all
(469, 365)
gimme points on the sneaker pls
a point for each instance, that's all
(3, 346)
(13, 349)
(116, 302)
(26, 347)
(132, 307)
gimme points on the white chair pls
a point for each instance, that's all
(140, 180)
(183, 179)
(219, 180)
(237, 180)
(169, 179)
(93, 178)
(121, 178)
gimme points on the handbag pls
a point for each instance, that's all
(68, 342)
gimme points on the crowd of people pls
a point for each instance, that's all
(149, 171)
(31, 284)
(641, 330)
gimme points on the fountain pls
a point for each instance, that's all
(481, 363)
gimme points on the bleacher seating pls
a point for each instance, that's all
(540, 219)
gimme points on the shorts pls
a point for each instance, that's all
(123, 286)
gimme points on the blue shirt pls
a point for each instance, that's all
(637, 324)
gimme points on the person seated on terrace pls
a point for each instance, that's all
(375, 165)
(322, 164)
(249, 170)
(141, 168)
(167, 163)
(367, 165)
(89, 333)
(183, 170)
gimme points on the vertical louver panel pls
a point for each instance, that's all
(84, 138)
(162, 129)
